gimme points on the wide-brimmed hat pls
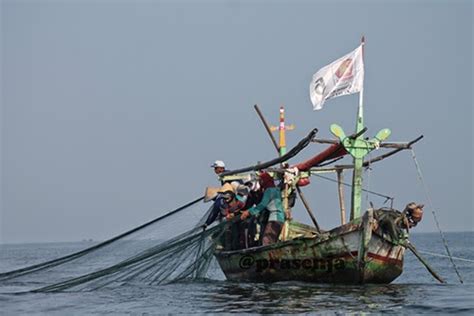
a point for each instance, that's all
(227, 187)
(210, 193)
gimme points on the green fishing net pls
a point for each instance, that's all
(170, 248)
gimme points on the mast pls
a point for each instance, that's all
(282, 128)
(300, 193)
(359, 147)
(359, 153)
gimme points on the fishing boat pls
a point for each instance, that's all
(368, 248)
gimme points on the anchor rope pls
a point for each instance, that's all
(444, 256)
(432, 208)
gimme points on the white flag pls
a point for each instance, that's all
(344, 76)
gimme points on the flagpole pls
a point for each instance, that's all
(356, 197)
(360, 114)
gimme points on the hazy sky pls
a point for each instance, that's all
(112, 111)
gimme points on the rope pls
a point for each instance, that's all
(387, 198)
(428, 197)
(444, 256)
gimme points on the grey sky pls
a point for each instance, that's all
(113, 111)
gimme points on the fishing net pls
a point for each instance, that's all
(170, 248)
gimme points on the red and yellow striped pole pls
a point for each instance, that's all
(282, 128)
(282, 131)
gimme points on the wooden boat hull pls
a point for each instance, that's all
(349, 254)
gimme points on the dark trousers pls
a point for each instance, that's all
(247, 231)
(271, 233)
(232, 236)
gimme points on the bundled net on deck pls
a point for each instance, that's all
(170, 248)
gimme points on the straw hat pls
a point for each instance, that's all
(226, 187)
(210, 193)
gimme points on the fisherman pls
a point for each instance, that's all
(254, 197)
(226, 208)
(216, 211)
(271, 200)
(255, 193)
(246, 229)
(219, 167)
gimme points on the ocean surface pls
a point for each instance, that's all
(414, 292)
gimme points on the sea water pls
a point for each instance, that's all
(414, 292)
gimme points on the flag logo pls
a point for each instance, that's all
(343, 76)
(345, 69)
(319, 86)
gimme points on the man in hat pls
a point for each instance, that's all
(219, 166)
(226, 207)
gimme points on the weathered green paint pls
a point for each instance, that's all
(358, 148)
(331, 257)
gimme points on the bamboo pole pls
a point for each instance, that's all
(382, 145)
(340, 181)
(306, 205)
(369, 162)
(267, 127)
(423, 261)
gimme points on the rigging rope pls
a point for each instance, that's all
(387, 198)
(444, 256)
(428, 197)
